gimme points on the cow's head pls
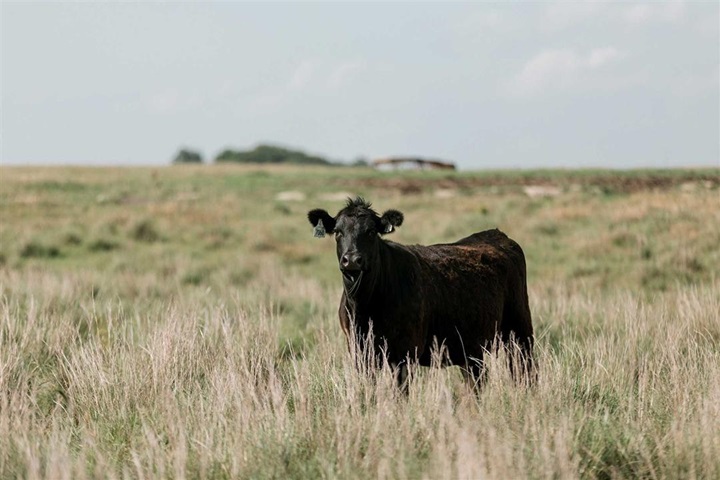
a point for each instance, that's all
(357, 229)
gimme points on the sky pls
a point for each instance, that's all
(485, 85)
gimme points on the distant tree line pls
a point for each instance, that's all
(265, 154)
(269, 154)
(187, 156)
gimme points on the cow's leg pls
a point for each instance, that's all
(527, 344)
(402, 376)
(520, 358)
(517, 336)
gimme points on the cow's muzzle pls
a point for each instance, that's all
(351, 262)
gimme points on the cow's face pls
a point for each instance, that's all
(357, 229)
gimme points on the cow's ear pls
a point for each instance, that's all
(322, 221)
(389, 220)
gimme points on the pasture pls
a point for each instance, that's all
(182, 322)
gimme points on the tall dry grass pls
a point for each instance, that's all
(628, 388)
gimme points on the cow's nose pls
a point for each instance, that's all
(351, 262)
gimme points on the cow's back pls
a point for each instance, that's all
(466, 286)
(479, 257)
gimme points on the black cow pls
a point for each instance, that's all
(459, 296)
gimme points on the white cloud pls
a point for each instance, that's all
(310, 74)
(654, 12)
(707, 26)
(343, 72)
(164, 101)
(560, 68)
(267, 101)
(172, 100)
(601, 56)
(693, 84)
(482, 26)
(561, 15)
(480, 21)
(637, 13)
(302, 75)
(307, 77)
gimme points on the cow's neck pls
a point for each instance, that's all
(384, 284)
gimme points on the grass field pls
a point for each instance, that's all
(181, 322)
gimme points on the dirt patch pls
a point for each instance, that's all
(290, 196)
(445, 193)
(539, 191)
(335, 196)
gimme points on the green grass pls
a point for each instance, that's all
(182, 322)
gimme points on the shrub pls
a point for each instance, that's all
(187, 156)
(269, 154)
(34, 249)
(145, 231)
(360, 162)
(196, 276)
(103, 245)
(72, 238)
